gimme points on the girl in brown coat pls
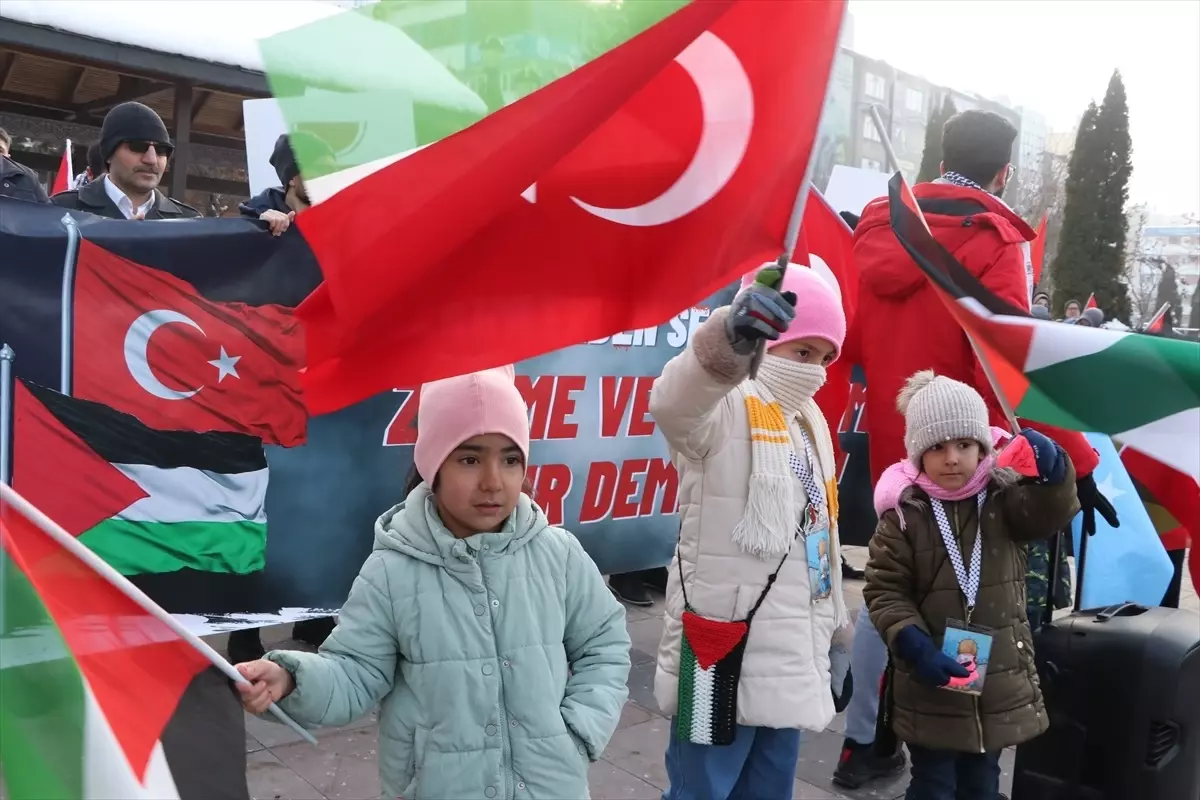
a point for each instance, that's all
(947, 566)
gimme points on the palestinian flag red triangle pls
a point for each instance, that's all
(712, 639)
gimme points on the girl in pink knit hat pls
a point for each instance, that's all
(490, 638)
(753, 646)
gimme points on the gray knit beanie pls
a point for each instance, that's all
(939, 409)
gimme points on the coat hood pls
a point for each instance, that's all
(955, 215)
(415, 529)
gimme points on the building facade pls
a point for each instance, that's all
(848, 136)
(1173, 242)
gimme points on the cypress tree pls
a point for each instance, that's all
(931, 157)
(1091, 247)
(1168, 292)
(1071, 262)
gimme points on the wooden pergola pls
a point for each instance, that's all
(71, 81)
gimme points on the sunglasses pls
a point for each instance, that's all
(159, 147)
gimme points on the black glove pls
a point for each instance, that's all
(758, 312)
(840, 701)
(932, 666)
(1091, 501)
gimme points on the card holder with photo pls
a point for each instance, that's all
(970, 646)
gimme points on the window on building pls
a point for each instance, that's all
(869, 131)
(914, 100)
(872, 164)
(874, 86)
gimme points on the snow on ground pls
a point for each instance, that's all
(228, 31)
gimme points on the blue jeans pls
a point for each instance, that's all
(868, 660)
(759, 765)
(949, 775)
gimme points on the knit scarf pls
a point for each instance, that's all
(783, 389)
(905, 474)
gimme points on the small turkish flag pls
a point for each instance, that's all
(148, 344)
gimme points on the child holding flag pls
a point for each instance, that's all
(498, 653)
(947, 568)
(752, 605)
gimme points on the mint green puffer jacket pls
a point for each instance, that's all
(501, 660)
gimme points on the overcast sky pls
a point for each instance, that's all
(1073, 47)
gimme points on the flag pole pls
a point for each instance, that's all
(6, 413)
(894, 163)
(121, 583)
(67, 312)
(70, 182)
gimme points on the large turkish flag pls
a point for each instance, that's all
(606, 201)
(148, 344)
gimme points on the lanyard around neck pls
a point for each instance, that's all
(968, 579)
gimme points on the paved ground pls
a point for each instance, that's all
(281, 767)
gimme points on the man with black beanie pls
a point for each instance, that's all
(279, 205)
(134, 148)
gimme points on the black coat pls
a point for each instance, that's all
(93, 198)
(20, 182)
(273, 199)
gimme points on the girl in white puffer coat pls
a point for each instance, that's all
(754, 607)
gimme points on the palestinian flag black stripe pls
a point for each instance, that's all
(121, 439)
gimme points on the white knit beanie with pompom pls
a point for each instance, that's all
(939, 409)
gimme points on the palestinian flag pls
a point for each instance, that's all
(98, 697)
(675, 150)
(1144, 391)
(183, 513)
(710, 663)
(1158, 322)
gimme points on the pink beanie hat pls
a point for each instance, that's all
(456, 409)
(819, 311)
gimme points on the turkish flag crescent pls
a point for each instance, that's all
(148, 344)
(608, 200)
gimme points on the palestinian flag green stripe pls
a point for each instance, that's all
(1094, 389)
(42, 703)
(136, 548)
(686, 691)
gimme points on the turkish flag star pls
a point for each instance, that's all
(226, 365)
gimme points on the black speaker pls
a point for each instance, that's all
(1122, 688)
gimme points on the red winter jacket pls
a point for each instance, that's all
(901, 325)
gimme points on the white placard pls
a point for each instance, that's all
(851, 188)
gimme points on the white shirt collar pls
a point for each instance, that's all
(124, 204)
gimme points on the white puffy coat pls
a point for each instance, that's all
(785, 680)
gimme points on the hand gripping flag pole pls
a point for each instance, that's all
(893, 163)
(9, 497)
